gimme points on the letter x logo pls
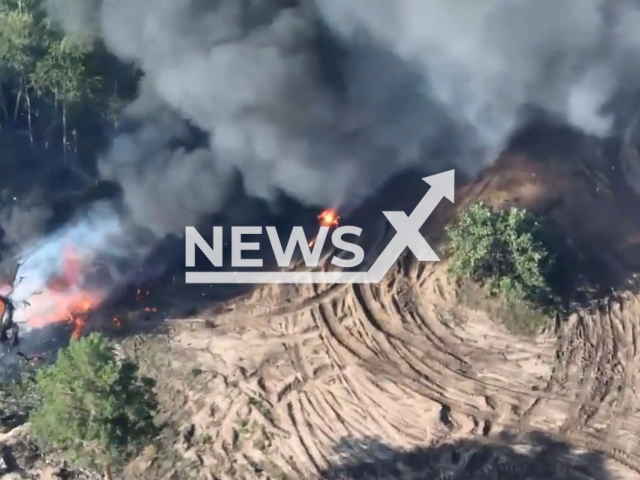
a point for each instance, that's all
(408, 227)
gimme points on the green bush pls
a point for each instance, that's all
(17, 396)
(94, 408)
(502, 250)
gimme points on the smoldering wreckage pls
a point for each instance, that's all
(316, 101)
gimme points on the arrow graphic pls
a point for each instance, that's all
(408, 228)
(407, 235)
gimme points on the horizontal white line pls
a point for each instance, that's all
(279, 277)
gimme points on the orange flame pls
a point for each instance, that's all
(78, 327)
(63, 298)
(329, 218)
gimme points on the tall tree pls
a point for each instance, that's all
(53, 77)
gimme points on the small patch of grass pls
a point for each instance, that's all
(261, 406)
(518, 317)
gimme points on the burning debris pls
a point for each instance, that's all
(9, 330)
(329, 218)
(64, 296)
(65, 277)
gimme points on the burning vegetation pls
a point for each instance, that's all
(66, 296)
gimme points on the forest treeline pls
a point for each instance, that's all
(55, 89)
(59, 102)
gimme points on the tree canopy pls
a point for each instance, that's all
(52, 77)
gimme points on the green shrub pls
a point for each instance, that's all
(502, 250)
(94, 408)
(17, 395)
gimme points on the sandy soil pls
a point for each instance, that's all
(404, 364)
(404, 379)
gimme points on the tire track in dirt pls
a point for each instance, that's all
(566, 352)
(591, 354)
(405, 362)
(378, 361)
(627, 335)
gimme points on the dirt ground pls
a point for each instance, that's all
(405, 380)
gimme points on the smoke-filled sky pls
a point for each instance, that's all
(324, 99)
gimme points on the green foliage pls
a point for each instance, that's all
(94, 408)
(59, 89)
(17, 31)
(502, 250)
(36, 52)
(18, 393)
(60, 72)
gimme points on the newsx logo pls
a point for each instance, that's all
(407, 235)
(311, 250)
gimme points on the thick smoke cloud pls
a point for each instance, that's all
(165, 188)
(24, 221)
(324, 99)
